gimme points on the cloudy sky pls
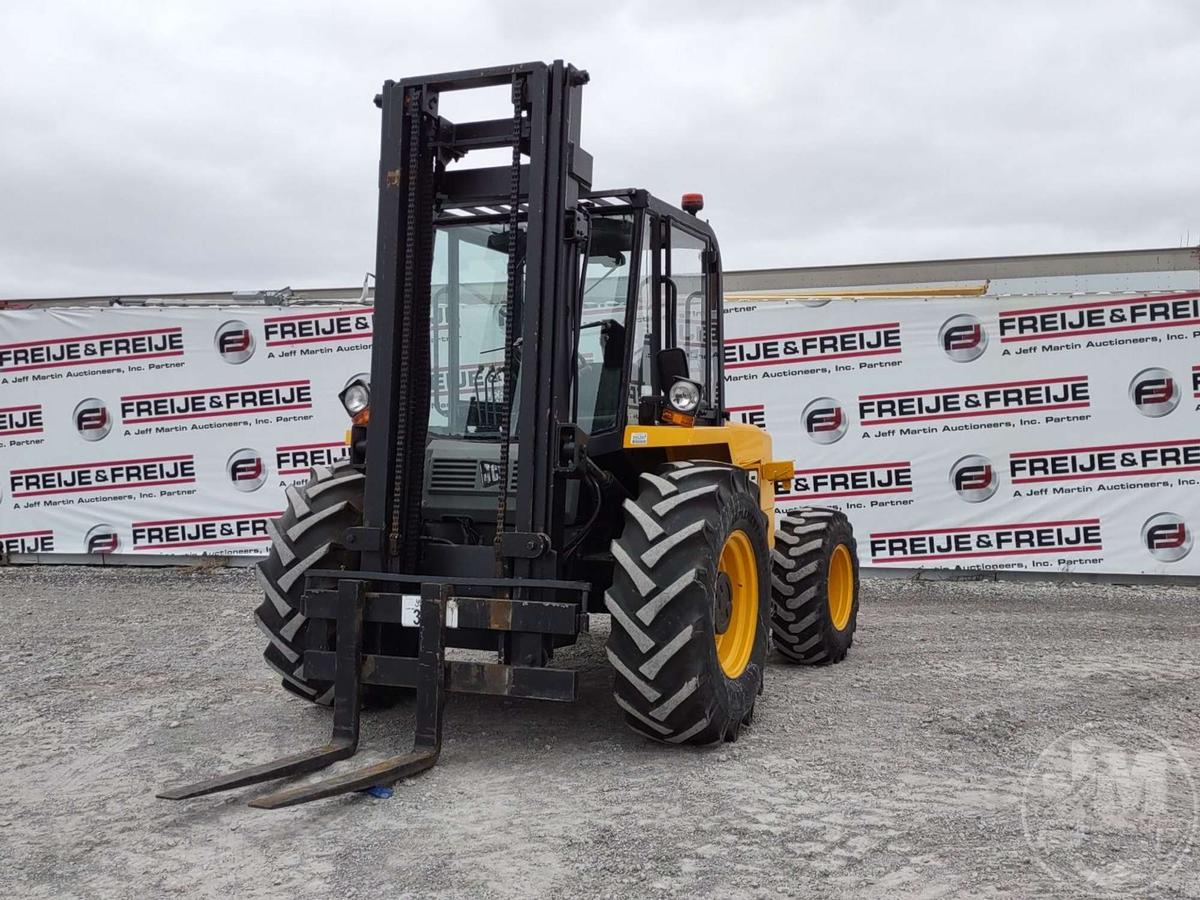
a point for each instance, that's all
(233, 146)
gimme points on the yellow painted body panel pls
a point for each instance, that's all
(747, 446)
(779, 470)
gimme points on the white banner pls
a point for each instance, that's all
(169, 430)
(1030, 433)
(1037, 433)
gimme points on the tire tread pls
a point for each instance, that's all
(800, 620)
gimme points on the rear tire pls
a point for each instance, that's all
(692, 557)
(308, 535)
(814, 579)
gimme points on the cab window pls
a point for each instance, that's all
(688, 275)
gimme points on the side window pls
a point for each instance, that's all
(640, 378)
(600, 354)
(691, 308)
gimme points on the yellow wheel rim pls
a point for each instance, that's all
(840, 588)
(736, 642)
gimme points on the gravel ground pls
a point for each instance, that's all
(900, 772)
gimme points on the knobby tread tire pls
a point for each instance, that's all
(308, 535)
(668, 680)
(801, 624)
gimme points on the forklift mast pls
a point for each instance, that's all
(541, 189)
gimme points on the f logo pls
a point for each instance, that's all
(974, 479)
(246, 470)
(101, 539)
(1154, 392)
(819, 420)
(963, 338)
(91, 419)
(824, 421)
(1167, 537)
(234, 342)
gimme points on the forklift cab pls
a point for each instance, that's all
(667, 313)
(649, 312)
(649, 289)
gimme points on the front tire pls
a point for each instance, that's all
(814, 576)
(308, 535)
(689, 603)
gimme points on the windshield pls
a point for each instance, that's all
(469, 285)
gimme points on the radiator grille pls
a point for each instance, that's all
(449, 475)
(453, 475)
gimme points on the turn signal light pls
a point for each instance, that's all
(674, 417)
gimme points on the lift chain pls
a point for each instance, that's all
(410, 164)
(514, 210)
(412, 400)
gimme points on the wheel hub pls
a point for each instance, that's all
(840, 586)
(735, 603)
(722, 603)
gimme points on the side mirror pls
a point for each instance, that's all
(672, 365)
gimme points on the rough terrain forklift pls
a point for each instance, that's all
(542, 437)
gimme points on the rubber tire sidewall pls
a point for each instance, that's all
(329, 531)
(832, 644)
(721, 702)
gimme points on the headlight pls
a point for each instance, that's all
(356, 397)
(684, 396)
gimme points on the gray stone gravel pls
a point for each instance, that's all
(898, 773)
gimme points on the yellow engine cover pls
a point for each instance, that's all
(743, 445)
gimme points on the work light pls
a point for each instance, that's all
(684, 395)
(356, 397)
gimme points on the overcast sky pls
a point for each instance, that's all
(233, 146)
